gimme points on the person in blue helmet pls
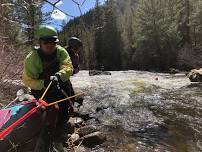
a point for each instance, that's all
(74, 48)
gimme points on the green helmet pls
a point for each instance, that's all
(47, 33)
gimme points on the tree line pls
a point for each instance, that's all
(121, 34)
(139, 34)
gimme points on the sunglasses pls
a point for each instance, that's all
(49, 43)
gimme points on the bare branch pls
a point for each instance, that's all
(54, 6)
(83, 2)
(79, 6)
(76, 2)
(56, 2)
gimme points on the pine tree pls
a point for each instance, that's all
(128, 35)
(111, 44)
(155, 34)
(8, 25)
(196, 23)
(98, 26)
(183, 8)
(28, 14)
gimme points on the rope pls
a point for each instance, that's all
(56, 102)
(46, 90)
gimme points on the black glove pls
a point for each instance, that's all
(55, 80)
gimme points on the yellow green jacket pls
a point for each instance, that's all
(33, 67)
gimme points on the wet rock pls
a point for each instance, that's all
(174, 71)
(76, 120)
(87, 130)
(79, 100)
(101, 108)
(66, 150)
(195, 75)
(74, 137)
(69, 128)
(76, 149)
(93, 139)
(131, 147)
(80, 149)
(84, 116)
(96, 72)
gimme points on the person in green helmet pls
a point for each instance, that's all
(50, 62)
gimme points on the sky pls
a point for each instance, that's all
(69, 7)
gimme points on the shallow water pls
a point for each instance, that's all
(140, 113)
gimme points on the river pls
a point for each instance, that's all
(144, 111)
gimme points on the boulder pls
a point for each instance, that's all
(87, 130)
(74, 137)
(93, 139)
(173, 71)
(195, 75)
(76, 121)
